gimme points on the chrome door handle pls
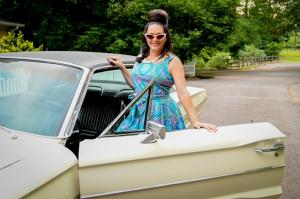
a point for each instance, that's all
(276, 148)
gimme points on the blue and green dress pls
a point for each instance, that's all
(164, 109)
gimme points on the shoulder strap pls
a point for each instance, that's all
(170, 57)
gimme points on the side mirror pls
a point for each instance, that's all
(156, 131)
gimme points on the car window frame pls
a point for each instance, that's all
(148, 90)
(108, 132)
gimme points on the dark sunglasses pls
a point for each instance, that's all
(159, 36)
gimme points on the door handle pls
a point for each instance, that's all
(277, 147)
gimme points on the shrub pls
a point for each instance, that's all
(251, 51)
(207, 52)
(200, 64)
(273, 48)
(16, 43)
(221, 60)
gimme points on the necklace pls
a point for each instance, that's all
(153, 60)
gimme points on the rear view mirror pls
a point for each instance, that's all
(156, 131)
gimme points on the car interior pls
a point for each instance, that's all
(105, 99)
(102, 103)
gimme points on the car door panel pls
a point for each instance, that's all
(189, 163)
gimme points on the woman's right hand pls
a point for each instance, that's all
(207, 126)
(117, 61)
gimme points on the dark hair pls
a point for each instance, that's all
(161, 17)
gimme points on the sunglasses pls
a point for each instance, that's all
(159, 36)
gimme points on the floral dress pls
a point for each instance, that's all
(164, 109)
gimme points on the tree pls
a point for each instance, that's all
(193, 24)
(261, 23)
(197, 26)
(16, 43)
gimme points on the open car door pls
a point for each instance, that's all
(239, 161)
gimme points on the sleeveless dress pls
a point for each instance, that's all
(164, 109)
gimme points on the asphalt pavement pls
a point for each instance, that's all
(270, 93)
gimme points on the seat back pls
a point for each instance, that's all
(97, 112)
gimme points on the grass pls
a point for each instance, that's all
(289, 56)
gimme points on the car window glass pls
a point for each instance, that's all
(35, 96)
(111, 75)
(134, 121)
(107, 96)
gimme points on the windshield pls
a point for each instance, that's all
(35, 96)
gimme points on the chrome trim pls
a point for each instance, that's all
(70, 118)
(52, 61)
(10, 164)
(275, 148)
(180, 182)
(65, 127)
(109, 127)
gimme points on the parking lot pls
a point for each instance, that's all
(268, 94)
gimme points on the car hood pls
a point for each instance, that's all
(28, 161)
(15, 147)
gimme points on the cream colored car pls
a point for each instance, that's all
(58, 112)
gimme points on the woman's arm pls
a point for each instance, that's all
(118, 62)
(177, 72)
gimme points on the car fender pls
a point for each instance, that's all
(36, 167)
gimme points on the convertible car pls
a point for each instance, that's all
(58, 117)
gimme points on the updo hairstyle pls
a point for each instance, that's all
(161, 17)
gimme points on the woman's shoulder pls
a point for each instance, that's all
(171, 57)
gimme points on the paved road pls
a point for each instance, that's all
(270, 94)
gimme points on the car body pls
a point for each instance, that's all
(58, 113)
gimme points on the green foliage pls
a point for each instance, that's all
(117, 46)
(202, 27)
(261, 23)
(180, 43)
(200, 64)
(293, 40)
(245, 32)
(218, 60)
(221, 60)
(116, 26)
(291, 20)
(56, 33)
(207, 52)
(251, 51)
(16, 43)
(89, 40)
(273, 48)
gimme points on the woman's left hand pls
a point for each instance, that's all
(207, 126)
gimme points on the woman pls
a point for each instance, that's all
(157, 61)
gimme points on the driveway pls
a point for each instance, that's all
(268, 94)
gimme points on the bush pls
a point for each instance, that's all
(273, 48)
(251, 51)
(207, 52)
(16, 43)
(221, 60)
(200, 64)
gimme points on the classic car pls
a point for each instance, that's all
(58, 117)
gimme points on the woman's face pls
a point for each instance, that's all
(156, 37)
